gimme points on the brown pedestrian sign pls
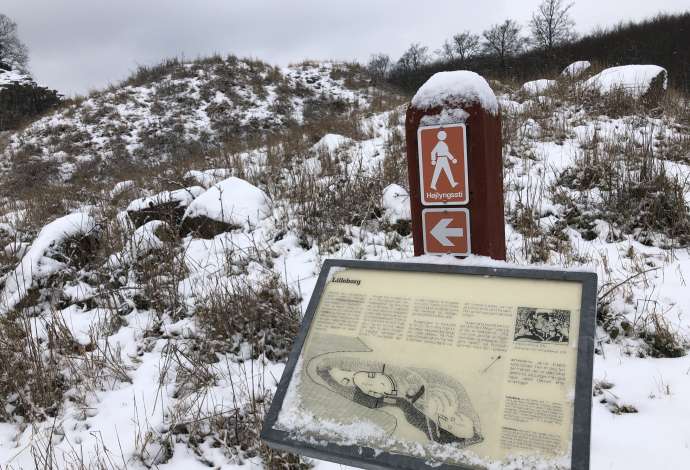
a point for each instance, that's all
(443, 164)
(446, 231)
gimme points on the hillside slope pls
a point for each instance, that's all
(152, 316)
(180, 110)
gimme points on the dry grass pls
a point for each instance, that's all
(263, 316)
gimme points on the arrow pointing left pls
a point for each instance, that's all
(442, 232)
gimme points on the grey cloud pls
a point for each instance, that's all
(77, 45)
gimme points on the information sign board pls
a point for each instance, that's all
(406, 365)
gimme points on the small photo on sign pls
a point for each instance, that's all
(542, 325)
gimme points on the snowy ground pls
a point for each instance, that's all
(130, 416)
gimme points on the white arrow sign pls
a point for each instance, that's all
(442, 232)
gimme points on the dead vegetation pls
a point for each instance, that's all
(330, 200)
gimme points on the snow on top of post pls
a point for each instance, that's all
(456, 88)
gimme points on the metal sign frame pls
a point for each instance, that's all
(368, 458)
(465, 175)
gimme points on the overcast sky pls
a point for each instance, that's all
(78, 45)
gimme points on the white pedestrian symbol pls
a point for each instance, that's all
(439, 159)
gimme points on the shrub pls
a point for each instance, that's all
(264, 314)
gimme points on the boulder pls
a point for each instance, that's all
(168, 206)
(146, 239)
(635, 80)
(68, 241)
(576, 69)
(228, 205)
(22, 100)
(537, 87)
(207, 178)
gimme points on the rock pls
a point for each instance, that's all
(168, 206)
(207, 178)
(636, 80)
(146, 239)
(21, 99)
(230, 204)
(537, 87)
(576, 69)
(67, 241)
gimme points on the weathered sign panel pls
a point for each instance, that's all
(446, 231)
(443, 164)
(405, 365)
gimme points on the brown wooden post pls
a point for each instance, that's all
(482, 204)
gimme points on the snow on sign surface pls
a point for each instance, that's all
(233, 201)
(634, 79)
(536, 87)
(36, 263)
(576, 68)
(460, 87)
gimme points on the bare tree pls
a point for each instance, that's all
(551, 25)
(504, 40)
(466, 45)
(447, 51)
(378, 67)
(13, 52)
(414, 57)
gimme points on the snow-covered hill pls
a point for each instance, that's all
(167, 112)
(151, 316)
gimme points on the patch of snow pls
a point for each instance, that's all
(78, 291)
(208, 178)
(396, 203)
(537, 87)
(13, 77)
(143, 241)
(121, 187)
(36, 263)
(576, 68)
(446, 116)
(455, 89)
(233, 201)
(330, 142)
(634, 79)
(182, 196)
(15, 249)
